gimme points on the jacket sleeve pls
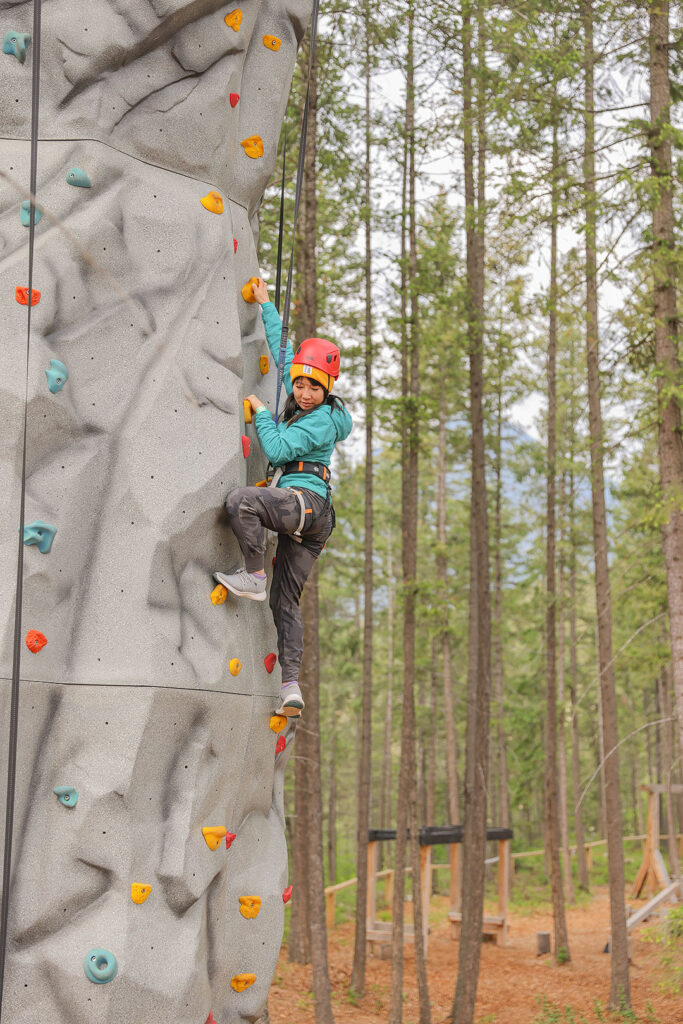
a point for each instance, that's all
(282, 444)
(273, 326)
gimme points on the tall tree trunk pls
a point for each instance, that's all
(667, 773)
(407, 809)
(497, 619)
(385, 793)
(357, 983)
(479, 631)
(561, 697)
(332, 804)
(573, 686)
(620, 993)
(551, 789)
(670, 439)
(452, 782)
(431, 748)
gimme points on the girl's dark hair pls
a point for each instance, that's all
(291, 412)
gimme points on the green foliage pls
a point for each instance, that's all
(668, 937)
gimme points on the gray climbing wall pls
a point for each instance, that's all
(132, 702)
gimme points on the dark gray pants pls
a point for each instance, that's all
(250, 509)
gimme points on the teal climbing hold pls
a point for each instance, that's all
(68, 796)
(75, 176)
(25, 213)
(40, 534)
(100, 966)
(57, 376)
(16, 44)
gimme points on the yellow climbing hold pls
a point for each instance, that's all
(253, 146)
(263, 365)
(139, 892)
(234, 19)
(272, 42)
(213, 835)
(235, 666)
(213, 202)
(277, 723)
(219, 594)
(248, 290)
(250, 906)
(242, 981)
(247, 411)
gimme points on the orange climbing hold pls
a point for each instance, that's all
(248, 289)
(213, 202)
(219, 594)
(21, 295)
(234, 99)
(287, 894)
(253, 146)
(280, 745)
(234, 19)
(235, 667)
(230, 838)
(277, 723)
(242, 981)
(139, 892)
(213, 835)
(246, 446)
(272, 43)
(250, 906)
(35, 640)
(247, 411)
(263, 365)
(269, 661)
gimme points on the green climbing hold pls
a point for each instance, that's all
(57, 376)
(75, 176)
(100, 966)
(67, 795)
(25, 213)
(39, 534)
(16, 44)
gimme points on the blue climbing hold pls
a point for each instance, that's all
(57, 376)
(40, 534)
(16, 44)
(100, 966)
(25, 213)
(75, 176)
(68, 796)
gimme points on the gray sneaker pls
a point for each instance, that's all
(291, 702)
(243, 584)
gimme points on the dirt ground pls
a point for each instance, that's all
(512, 980)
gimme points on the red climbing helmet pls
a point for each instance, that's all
(316, 358)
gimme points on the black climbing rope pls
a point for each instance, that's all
(299, 181)
(281, 225)
(16, 656)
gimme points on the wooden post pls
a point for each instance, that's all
(425, 880)
(503, 889)
(589, 856)
(371, 909)
(330, 909)
(456, 877)
(389, 888)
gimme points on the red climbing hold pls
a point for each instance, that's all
(234, 245)
(210, 1019)
(234, 99)
(287, 894)
(246, 446)
(230, 839)
(35, 640)
(269, 661)
(280, 745)
(21, 295)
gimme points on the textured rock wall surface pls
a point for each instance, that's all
(131, 702)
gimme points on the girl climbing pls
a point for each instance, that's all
(297, 504)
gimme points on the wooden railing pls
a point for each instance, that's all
(388, 873)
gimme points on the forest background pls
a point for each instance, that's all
(489, 231)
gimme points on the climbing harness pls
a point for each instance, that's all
(297, 197)
(16, 653)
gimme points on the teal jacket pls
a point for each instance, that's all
(312, 437)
